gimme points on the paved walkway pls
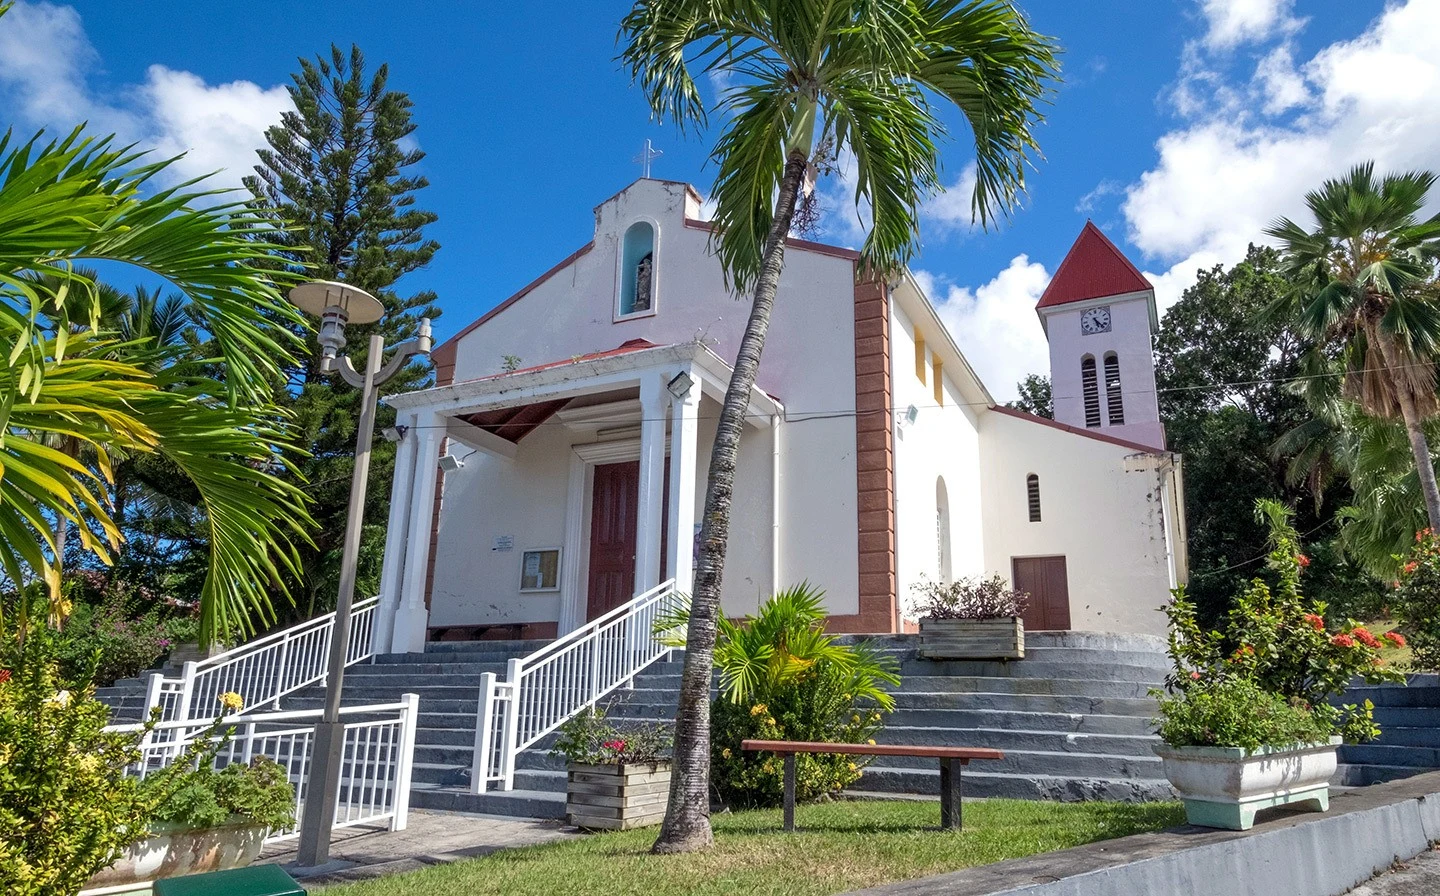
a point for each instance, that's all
(1419, 876)
(430, 838)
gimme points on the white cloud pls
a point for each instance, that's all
(1235, 22)
(46, 68)
(949, 211)
(1225, 175)
(995, 324)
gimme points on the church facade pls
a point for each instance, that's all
(557, 467)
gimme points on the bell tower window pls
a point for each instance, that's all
(1090, 389)
(637, 271)
(1114, 400)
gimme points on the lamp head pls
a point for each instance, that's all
(336, 304)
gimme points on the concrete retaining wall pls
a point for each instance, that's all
(1291, 854)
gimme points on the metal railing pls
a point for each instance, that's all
(379, 754)
(261, 671)
(543, 690)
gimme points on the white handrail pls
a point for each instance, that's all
(264, 670)
(543, 690)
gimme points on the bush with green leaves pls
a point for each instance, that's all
(1416, 602)
(782, 677)
(591, 738)
(1230, 711)
(1279, 640)
(258, 793)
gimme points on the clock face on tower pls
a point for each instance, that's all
(1095, 320)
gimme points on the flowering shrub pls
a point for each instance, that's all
(1235, 712)
(969, 598)
(122, 644)
(1416, 602)
(1279, 641)
(591, 739)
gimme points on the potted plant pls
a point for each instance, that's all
(971, 619)
(1247, 717)
(208, 820)
(619, 774)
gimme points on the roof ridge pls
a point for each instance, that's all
(1086, 274)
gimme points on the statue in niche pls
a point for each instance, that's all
(643, 282)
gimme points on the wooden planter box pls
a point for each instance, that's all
(972, 639)
(617, 797)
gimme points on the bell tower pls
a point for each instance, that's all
(1099, 317)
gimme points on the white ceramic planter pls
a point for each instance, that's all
(174, 853)
(972, 639)
(1223, 787)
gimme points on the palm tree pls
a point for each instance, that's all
(863, 77)
(69, 375)
(1364, 286)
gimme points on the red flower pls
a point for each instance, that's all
(1342, 640)
(1422, 535)
(4, 675)
(1302, 560)
(1364, 636)
(1194, 676)
(614, 745)
(1395, 638)
(1316, 621)
(1410, 567)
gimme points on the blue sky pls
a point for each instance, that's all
(1183, 126)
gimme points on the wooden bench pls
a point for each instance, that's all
(952, 760)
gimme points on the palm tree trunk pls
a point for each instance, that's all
(687, 817)
(1419, 445)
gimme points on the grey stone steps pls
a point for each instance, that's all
(986, 783)
(513, 648)
(1401, 736)
(1390, 755)
(514, 803)
(1026, 669)
(1416, 695)
(1086, 687)
(1350, 775)
(1096, 641)
(1086, 723)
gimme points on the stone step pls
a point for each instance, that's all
(1074, 639)
(1140, 707)
(515, 648)
(1070, 687)
(512, 803)
(1416, 695)
(1048, 762)
(1010, 785)
(1350, 775)
(1400, 736)
(1026, 669)
(1384, 754)
(1012, 740)
(965, 719)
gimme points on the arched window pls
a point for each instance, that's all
(1091, 391)
(1032, 495)
(637, 270)
(942, 530)
(1113, 400)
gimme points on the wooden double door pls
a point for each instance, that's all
(614, 521)
(1045, 580)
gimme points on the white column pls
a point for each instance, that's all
(392, 572)
(412, 616)
(652, 483)
(684, 434)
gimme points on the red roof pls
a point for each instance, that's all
(1092, 269)
(626, 347)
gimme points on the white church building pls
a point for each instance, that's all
(557, 467)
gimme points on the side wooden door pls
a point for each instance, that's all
(1045, 580)
(614, 514)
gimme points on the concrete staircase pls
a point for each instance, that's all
(1073, 719)
(1409, 742)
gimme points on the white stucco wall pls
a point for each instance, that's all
(943, 442)
(808, 364)
(1130, 339)
(1107, 522)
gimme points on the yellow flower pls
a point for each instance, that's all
(876, 717)
(871, 742)
(232, 701)
(725, 753)
(757, 709)
(855, 718)
(852, 767)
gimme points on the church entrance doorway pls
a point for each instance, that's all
(1045, 580)
(614, 516)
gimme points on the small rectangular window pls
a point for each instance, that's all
(919, 357)
(540, 570)
(939, 384)
(1032, 494)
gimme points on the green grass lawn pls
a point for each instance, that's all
(841, 846)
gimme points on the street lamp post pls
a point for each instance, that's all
(337, 304)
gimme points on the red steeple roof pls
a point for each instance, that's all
(1092, 269)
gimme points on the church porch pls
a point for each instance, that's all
(526, 503)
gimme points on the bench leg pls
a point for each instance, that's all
(789, 791)
(950, 793)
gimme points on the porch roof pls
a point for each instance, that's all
(593, 373)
